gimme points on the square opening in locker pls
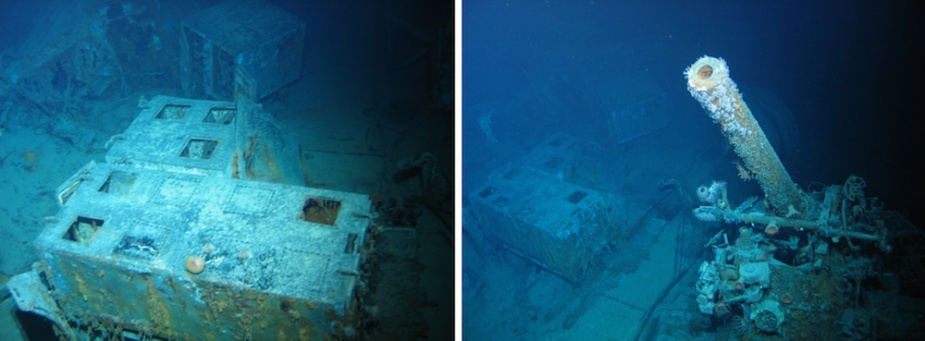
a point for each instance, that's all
(220, 115)
(576, 196)
(557, 142)
(554, 162)
(501, 202)
(199, 149)
(487, 192)
(137, 246)
(83, 229)
(172, 112)
(118, 183)
(321, 210)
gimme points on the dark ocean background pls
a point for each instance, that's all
(836, 86)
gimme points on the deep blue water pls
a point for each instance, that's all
(849, 71)
(834, 84)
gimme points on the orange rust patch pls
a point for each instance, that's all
(705, 72)
(235, 171)
(31, 160)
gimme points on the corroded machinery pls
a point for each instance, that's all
(835, 211)
(180, 190)
(795, 264)
(198, 226)
(530, 209)
(786, 275)
(217, 138)
(280, 260)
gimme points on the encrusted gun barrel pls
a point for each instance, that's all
(708, 81)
